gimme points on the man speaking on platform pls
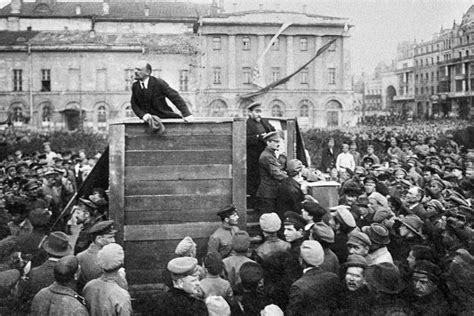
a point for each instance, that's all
(149, 98)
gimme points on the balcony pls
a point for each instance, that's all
(405, 97)
(460, 94)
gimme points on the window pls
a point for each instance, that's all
(17, 80)
(275, 74)
(216, 74)
(183, 80)
(246, 43)
(129, 78)
(216, 43)
(45, 79)
(276, 111)
(276, 44)
(304, 76)
(304, 110)
(437, 59)
(416, 77)
(247, 74)
(332, 75)
(102, 118)
(416, 90)
(303, 43)
(46, 115)
(421, 62)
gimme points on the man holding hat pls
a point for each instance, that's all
(60, 298)
(271, 173)
(221, 240)
(316, 291)
(356, 296)
(270, 224)
(149, 96)
(107, 295)
(324, 234)
(181, 298)
(257, 127)
(102, 234)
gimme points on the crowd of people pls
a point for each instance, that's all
(399, 242)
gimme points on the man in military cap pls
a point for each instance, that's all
(102, 234)
(271, 174)
(181, 298)
(85, 214)
(257, 127)
(294, 230)
(34, 195)
(358, 244)
(221, 240)
(60, 298)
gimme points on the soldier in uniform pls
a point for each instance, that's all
(221, 240)
(60, 298)
(102, 233)
(85, 213)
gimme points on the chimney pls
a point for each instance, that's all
(105, 7)
(147, 11)
(78, 9)
(16, 7)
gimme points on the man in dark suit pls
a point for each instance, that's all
(315, 293)
(271, 174)
(328, 157)
(149, 97)
(257, 127)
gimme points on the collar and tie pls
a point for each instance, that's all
(142, 84)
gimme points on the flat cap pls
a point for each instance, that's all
(413, 223)
(292, 218)
(226, 211)
(355, 261)
(370, 178)
(377, 233)
(400, 171)
(314, 209)
(250, 273)
(182, 265)
(110, 257)
(293, 167)
(312, 252)
(322, 232)
(438, 182)
(345, 216)
(427, 268)
(270, 222)
(383, 213)
(253, 105)
(359, 238)
(272, 136)
(379, 199)
(103, 228)
(66, 265)
(185, 246)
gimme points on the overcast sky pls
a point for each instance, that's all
(378, 24)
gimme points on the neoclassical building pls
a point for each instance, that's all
(70, 65)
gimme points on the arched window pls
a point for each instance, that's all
(46, 114)
(102, 115)
(304, 110)
(276, 111)
(17, 114)
(217, 108)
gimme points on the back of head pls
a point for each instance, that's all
(65, 269)
(213, 263)
(241, 242)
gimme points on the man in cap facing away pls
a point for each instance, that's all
(257, 127)
(104, 296)
(221, 240)
(270, 224)
(271, 174)
(181, 299)
(60, 298)
(290, 195)
(316, 291)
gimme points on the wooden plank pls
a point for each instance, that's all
(169, 231)
(177, 157)
(166, 142)
(142, 276)
(239, 175)
(291, 141)
(204, 187)
(176, 202)
(189, 172)
(184, 129)
(169, 216)
(116, 177)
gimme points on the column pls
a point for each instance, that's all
(231, 71)
(290, 61)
